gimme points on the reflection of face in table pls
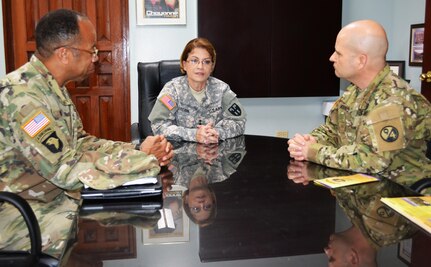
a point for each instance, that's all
(263, 219)
(200, 203)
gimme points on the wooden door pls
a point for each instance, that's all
(426, 65)
(103, 99)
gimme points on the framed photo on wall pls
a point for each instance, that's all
(416, 44)
(160, 12)
(397, 66)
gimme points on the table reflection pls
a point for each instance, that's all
(196, 166)
(249, 205)
(374, 225)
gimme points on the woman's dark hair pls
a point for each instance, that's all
(57, 28)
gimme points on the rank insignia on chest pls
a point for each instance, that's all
(36, 124)
(168, 102)
(235, 110)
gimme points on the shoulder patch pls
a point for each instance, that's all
(53, 143)
(36, 124)
(388, 127)
(235, 110)
(168, 101)
(389, 134)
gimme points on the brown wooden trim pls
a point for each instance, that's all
(8, 36)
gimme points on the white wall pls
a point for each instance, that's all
(396, 16)
(268, 115)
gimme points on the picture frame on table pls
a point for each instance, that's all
(161, 12)
(398, 67)
(173, 225)
(416, 44)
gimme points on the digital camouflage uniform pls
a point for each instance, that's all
(378, 223)
(177, 113)
(187, 164)
(42, 135)
(383, 128)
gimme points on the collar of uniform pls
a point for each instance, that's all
(61, 92)
(379, 78)
(365, 94)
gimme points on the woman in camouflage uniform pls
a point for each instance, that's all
(197, 107)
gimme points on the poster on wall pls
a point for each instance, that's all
(417, 32)
(161, 12)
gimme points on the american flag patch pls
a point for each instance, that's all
(36, 124)
(168, 102)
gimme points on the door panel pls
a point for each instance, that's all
(103, 98)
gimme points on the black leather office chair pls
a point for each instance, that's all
(423, 183)
(151, 79)
(34, 257)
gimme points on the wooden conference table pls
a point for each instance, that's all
(261, 218)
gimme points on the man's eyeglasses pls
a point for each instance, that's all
(205, 62)
(198, 209)
(94, 53)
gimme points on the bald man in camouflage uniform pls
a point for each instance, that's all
(378, 223)
(197, 107)
(42, 134)
(380, 124)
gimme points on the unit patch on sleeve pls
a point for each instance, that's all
(53, 143)
(168, 102)
(36, 124)
(389, 134)
(235, 110)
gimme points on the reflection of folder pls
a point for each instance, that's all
(145, 206)
(141, 212)
(166, 222)
(132, 191)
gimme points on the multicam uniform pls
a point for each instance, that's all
(383, 128)
(177, 113)
(42, 135)
(378, 223)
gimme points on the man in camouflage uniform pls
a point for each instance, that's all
(197, 107)
(378, 223)
(380, 124)
(42, 133)
(374, 225)
(43, 147)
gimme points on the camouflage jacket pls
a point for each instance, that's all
(58, 221)
(187, 163)
(42, 136)
(378, 223)
(177, 114)
(382, 128)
